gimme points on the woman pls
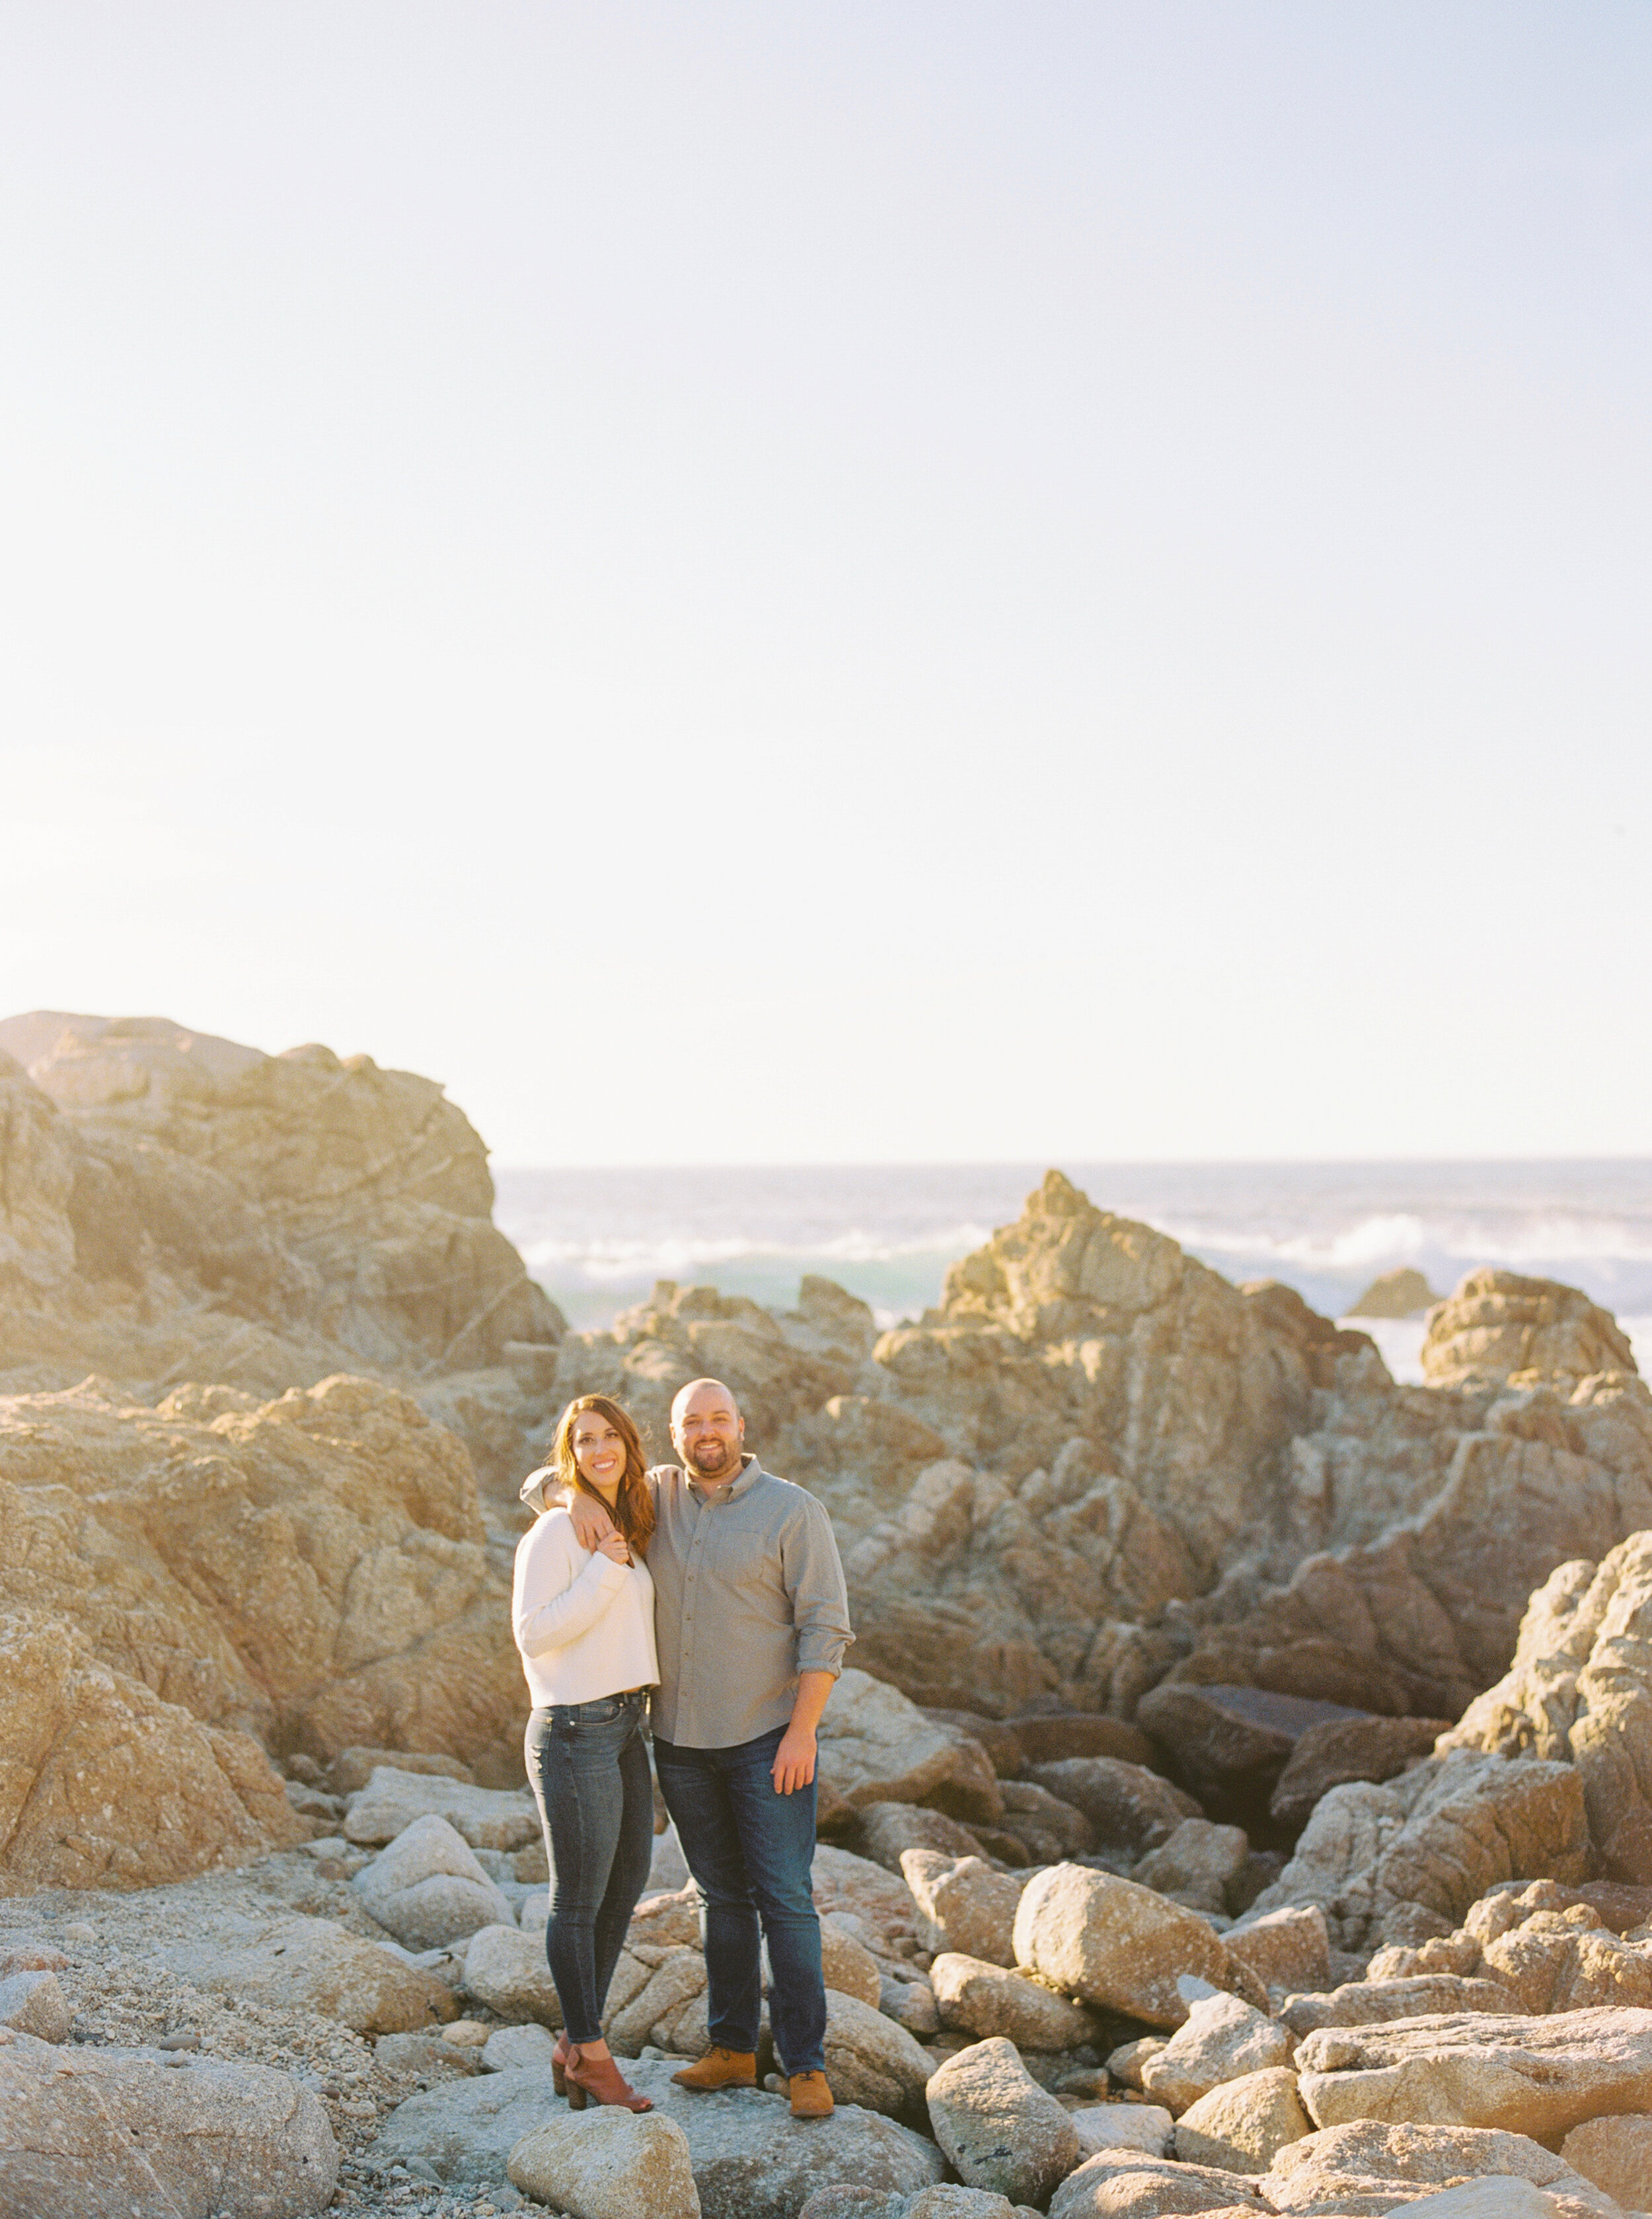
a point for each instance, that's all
(583, 1623)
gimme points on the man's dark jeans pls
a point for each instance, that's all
(750, 1851)
(588, 1765)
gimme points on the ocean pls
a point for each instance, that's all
(599, 1239)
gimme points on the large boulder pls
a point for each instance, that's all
(119, 2132)
(1374, 2166)
(1124, 2184)
(505, 1970)
(1340, 1749)
(293, 1962)
(1531, 2076)
(1199, 1865)
(310, 1570)
(1616, 2154)
(1115, 1946)
(877, 1747)
(1377, 2002)
(1289, 1951)
(998, 2127)
(751, 2159)
(393, 1802)
(1230, 1744)
(870, 2061)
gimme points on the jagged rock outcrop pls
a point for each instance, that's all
(1403, 1861)
(177, 1206)
(1580, 1689)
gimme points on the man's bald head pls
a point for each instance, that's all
(707, 1431)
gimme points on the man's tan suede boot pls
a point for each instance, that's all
(811, 2096)
(720, 2068)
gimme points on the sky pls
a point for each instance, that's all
(879, 581)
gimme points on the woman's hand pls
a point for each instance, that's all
(591, 1522)
(613, 1546)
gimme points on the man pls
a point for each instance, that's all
(752, 1620)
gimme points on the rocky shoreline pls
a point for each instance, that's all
(1241, 1801)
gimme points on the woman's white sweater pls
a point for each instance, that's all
(584, 1624)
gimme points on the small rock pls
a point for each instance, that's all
(973, 1907)
(1242, 2125)
(608, 2164)
(1132, 1809)
(984, 1999)
(491, 1818)
(428, 1889)
(1146, 2127)
(1126, 2062)
(505, 1970)
(32, 2003)
(998, 2127)
(1222, 2040)
(1287, 1950)
(1197, 1865)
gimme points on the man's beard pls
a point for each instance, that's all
(712, 1461)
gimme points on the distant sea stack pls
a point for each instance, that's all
(1401, 1294)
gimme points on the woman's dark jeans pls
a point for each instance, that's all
(750, 1851)
(588, 1766)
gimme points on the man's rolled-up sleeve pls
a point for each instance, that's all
(820, 1601)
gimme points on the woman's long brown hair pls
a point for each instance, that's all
(633, 1510)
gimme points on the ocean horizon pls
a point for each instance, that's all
(599, 1239)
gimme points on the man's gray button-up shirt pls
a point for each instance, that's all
(748, 1592)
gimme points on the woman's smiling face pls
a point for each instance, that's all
(598, 1451)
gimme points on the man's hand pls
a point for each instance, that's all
(794, 1760)
(592, 1524)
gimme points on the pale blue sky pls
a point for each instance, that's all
(860, 581)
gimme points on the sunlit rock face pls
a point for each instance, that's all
(179, 1206)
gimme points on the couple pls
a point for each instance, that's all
(716, 1588)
